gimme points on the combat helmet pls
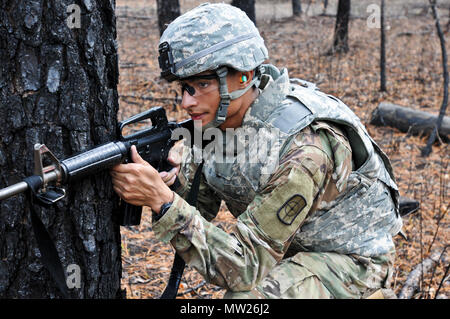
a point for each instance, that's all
(212, 37)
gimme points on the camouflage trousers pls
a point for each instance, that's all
(311, 275)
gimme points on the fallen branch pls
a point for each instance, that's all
(193, 289)
(445, 278)
(408, 206)
(408, 120)
(412, 283)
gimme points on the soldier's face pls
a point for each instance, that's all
(201, 98)
(199, 94)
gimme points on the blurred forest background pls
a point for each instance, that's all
(302, 43)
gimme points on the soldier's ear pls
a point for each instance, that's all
(245, 78)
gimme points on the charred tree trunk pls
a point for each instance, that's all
(58, 86)
(382, 52)
(296, 7)
(168, 10)
(248, 6)
(340, 44)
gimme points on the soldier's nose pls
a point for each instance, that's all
(188, 100)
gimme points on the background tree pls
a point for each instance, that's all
(447, 28)
(248, 6)
(325, 5)
(382, 51)
(296, 7)
(167, 10)
(340, 43)
(58, 86)
(432, 138)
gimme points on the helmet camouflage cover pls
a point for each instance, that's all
(208, 37)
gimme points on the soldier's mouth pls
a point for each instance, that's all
(197, 116)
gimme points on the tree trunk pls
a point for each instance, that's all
(168, 10)
(427, 149)
(447, 28)
(58, 86)
(382, 52)
(296, 7)
(340, 44)
(325, 5)
(248, 6)
(408, 120)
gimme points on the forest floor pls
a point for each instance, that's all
(414, 79)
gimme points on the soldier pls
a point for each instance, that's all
(316, 208)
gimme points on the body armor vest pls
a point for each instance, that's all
(260, 142)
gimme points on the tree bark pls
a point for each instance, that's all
(248, 6)
(167, 10)
(427, 149)
(382, 52)
(58, 86)
(340, 44)
(408, 120)
(296, 7)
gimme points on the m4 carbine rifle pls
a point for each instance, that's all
(153, 144)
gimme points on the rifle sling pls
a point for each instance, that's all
(49, 254)
(178, 263)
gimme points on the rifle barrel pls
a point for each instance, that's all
(21, 187)
(13, 190)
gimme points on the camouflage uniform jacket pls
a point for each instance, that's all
(296, 183)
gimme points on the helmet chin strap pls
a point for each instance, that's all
(226, 97)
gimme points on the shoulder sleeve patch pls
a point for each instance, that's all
(291, 209)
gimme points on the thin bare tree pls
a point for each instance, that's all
(432, 138)
(382, 51)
